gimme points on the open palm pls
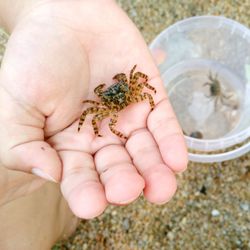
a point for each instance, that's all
(55, 58)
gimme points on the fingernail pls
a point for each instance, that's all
(126, 201)
(39, 172)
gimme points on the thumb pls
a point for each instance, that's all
(22, 145)
(42, 82)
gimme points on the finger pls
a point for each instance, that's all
(167, 133)
(159, 179)
(22, 144)
(122, 182)
(81, 185)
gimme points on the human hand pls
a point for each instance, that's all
(57, 54)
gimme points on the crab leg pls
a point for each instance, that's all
(138, 75)
(149, 87)
(98, 90)
(92, 102)
(211, 77)
(112, 124)
(207, 84)
(216, 102)
(120, 77)
(145, 96)
(91, 110)
(97, 118)
(101, 104)
(131, 73)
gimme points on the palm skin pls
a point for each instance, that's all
(58, 53)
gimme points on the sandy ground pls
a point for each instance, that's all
(211, 209)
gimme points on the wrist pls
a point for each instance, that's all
(12, 11)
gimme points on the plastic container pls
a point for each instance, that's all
(205, 65)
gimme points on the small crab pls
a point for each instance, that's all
(117, 97)
(216, 91)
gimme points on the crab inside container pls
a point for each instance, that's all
(205, 65)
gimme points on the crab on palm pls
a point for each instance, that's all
(216, 91)
(117, 97)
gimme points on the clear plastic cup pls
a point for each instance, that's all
(205, 65)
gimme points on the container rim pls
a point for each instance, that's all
(229, 21)
(223, 142)
(209, 158)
